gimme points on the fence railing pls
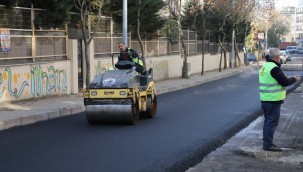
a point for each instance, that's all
(106, 44)
(26, 44)
(29, 44)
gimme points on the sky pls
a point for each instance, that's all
(284, 3)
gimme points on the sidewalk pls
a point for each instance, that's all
(32, 111)
(243, 152)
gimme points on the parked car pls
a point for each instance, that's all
(299, 50)
(291, 49)
(282, 57)
(288, 56)
(251, 57)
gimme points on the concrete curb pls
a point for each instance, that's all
(34, 118)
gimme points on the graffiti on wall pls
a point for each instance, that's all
(36, 81)
(11, 79)
(1, 89)
(53, 80)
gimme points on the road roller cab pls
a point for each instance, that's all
(121, 95)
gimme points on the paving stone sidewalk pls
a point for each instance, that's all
(244, 153)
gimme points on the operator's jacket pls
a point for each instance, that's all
(273, 82)
(123, 56)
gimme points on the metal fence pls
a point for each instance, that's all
(27, 44)
(106, 43)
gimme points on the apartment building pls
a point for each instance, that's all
(299, 23)
(290, 15)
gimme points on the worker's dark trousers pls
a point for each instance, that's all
(139, 68)
(271, 120)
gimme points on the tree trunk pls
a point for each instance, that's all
(237, 55)
(220, 64)
(237, 59)
(194, 22)
(140, 40)
(87, 61)
(224, 53)
(223, 45)
(185, 67)
(203, 41)
(225, 59)
(245, 53)
(221, 52)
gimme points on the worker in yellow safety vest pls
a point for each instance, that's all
(272, 94)
(128, 54)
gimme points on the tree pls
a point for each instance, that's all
(205, 12)
(55, 13)
(266, 20)
(196, 14)
(171, 31)
(175, 7)
(279, 27)
(88, 10)
(221, 12)
(189, 16)
(242, 11)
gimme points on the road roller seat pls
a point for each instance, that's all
(125, 64)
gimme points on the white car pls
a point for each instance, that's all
(282, 57)
(288, 56)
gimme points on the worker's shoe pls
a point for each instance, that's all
(273, 148)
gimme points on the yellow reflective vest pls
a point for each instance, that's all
(136, 59)
(269, 88)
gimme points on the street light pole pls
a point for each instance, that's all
(124, 23)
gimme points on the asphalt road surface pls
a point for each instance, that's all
(190, 123)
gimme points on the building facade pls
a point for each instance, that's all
(267, 3)
(299, 23)
(290, 16)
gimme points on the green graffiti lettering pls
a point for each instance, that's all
(52, 80)
(1, 80)
(14, 93)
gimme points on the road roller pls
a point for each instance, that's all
(121, 95)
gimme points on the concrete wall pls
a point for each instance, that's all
(166, 67)
(19, 82)
(34, 80)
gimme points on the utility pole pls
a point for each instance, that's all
(124, 23)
